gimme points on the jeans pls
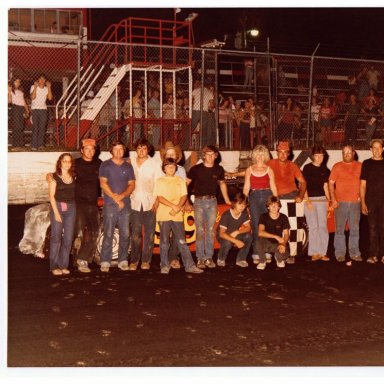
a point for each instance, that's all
(205, 218)
(347, 211)
(225, 247)
(88, 222)
(376, 229)
(267, 245)
(61, 235)
(178, 233)
(113, 216)
(257, 200)
(39, 121)
(17, 119)
(142, 220)
(317, 224)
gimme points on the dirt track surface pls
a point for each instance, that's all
(307, 314)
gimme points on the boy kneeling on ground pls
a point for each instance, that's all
(273, 234)
(234, 230)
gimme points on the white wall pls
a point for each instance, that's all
(27, 170)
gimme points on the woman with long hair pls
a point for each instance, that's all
(19, 111)
(63, 214)
(259, 185)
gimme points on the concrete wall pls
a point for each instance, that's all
(27, 170)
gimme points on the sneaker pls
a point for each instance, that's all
(104, 267)
(268, 257)
(220, 263)
(242, 263)
(132, 267)
(315, 257)
(210, 263)
(372, 260)
(123, 265)
(290, 260)
(200, 264)
(193, 269)
(281, 264)
(57, 272)
(65, 271)
(145, 266)
(356, 258)
(165, 270)
(175, 264)
(324, 258)
(340, 259)
(256, 259)
(82, 266)
(261, 266)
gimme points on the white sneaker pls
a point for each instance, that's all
(242, 263)
(280, 264)
(261, 266)
(256, 259)
(104, 267)
(82, 266)
(268, 257)
(123, 265)
(220, 263)
(165, 270)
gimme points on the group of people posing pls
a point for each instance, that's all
(140, 191)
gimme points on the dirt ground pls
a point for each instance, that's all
(311, 314)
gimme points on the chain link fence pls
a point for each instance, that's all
(194, 97)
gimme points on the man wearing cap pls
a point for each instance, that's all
(87, 191)
(286, 174)
(205, 177)
(172, 151)
(86, 194)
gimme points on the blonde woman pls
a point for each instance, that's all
(259, 185)
(63, 214)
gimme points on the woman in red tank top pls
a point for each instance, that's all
(259, 185)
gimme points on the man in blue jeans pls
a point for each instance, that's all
(117, 180)
(205, 177)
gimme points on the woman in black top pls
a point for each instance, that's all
(63, 214)
(316, 200)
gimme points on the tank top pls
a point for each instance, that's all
(260, 182)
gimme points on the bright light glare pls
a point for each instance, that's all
(254, 32)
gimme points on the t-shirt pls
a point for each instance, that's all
(285, 175)
(40, 101)
(118, 177)
(64, 192)
(274, 226)
(347, 179)
(315, 178)
(230, 223)
(205, 179)
(171, 188)
(372, 171)
(87, 181)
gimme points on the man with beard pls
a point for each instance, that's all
(344, 188)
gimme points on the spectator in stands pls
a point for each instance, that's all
(245, 121)
(372, 95)
(316, 198)
(372, 197)
(351, 120)
(363, 85)
(153, 107)
(168, 119)
(326, 114)
(315, 109)
(344, 189)
(352, 84)
(252, 123)
(274, 233)
(63, 214)
(248, 73)
(286, 120)
(259, 185)
(40, 92)
(19, 112)
(233, 230)
(373, 77)
(137, 113)
(224, 121)
(371, 113)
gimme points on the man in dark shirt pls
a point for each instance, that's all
(86, 195)
(204, 178)
(273, 233)
(372, 196)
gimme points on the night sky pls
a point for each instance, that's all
(341, 32)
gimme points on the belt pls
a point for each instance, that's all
(206, 197)
(260, 189)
